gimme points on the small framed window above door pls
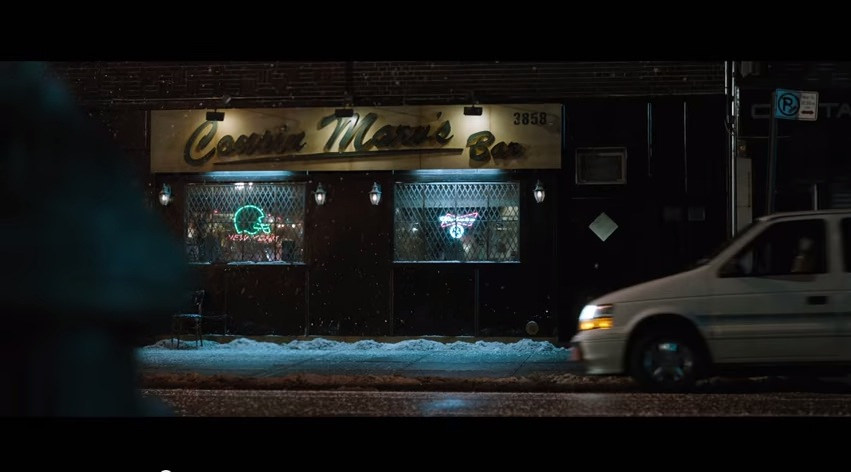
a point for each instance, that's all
(601, 165)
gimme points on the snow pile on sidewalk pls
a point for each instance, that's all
(244, 345)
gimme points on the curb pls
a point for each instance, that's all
(394, 382)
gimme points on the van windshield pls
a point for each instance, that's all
(747, 229)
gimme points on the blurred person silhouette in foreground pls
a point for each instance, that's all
(87, 267)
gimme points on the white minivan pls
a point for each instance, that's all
(776, 296)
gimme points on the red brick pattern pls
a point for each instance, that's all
(159, 85)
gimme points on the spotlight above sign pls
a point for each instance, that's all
(215, 116)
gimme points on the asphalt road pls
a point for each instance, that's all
(252, 403)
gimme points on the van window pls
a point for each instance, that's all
(789, 247)
(846, 243)
(729, 242)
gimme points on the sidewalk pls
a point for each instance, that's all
(386, 363)
(395, 364)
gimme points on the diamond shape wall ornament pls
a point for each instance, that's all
(603, 226)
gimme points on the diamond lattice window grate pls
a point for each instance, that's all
(212, 236)
(457, 222)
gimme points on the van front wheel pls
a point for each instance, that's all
(666, 362)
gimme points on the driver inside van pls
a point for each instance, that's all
(804, 262)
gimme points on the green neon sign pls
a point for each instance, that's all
(249, 220)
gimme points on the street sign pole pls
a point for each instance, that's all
(772, 156)
(788, 105)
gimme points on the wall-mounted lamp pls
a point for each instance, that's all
(165, 195)
(344, 112)
(319, 195)
(532, 328)
(375, 193)
(473, 110)
(215, 116)
(539, 192)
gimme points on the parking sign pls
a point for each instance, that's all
(796, 105)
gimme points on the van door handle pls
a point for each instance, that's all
(817, 300)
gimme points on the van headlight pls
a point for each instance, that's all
(596, 317)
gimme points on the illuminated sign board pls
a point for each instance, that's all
(372, 138)
(456, 224)
(248, 219)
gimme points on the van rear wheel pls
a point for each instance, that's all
(666, 361)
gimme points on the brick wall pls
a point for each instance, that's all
(808, 75)
(155, 85)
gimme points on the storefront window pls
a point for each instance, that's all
(457, 222)
(245, 222)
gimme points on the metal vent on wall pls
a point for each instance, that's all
(841, 195)
(604, 165)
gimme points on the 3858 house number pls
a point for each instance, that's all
(534, 118)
